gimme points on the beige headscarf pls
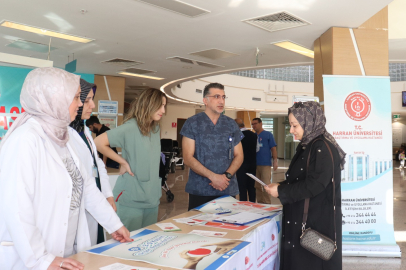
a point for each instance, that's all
(46, 96)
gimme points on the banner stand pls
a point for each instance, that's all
(358, 113)
(392, 251)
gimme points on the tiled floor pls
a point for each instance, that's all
(177, 182)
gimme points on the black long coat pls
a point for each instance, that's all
(315, 184)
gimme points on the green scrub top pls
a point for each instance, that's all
(143, 153)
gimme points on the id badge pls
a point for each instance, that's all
(95, 172)
(260, 144)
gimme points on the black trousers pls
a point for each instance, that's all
(246, 184)
(196, 200)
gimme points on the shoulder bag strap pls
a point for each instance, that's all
(307, 200)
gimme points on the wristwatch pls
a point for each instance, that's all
(228, 175)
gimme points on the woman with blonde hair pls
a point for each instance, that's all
(138, 188)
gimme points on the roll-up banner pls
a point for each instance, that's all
(11, 82)
(358, 112)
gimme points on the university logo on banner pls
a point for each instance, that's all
(357, 106)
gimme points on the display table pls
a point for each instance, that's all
(262, 253)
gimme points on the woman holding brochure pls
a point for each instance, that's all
(44, 188)
(309, 185)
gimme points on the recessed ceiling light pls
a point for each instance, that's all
(44, 32)
(30, 46)
(288, 45)
(140, 75)
(177, 7)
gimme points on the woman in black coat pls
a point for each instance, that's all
(307, 123)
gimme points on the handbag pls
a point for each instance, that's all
(315, 242)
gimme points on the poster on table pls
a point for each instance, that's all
(182, 251)
(11, 82)
(358, 112)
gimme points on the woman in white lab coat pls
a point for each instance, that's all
(88, 155)
(44, 188)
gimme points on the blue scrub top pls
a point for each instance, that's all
(266, 141)
(212, 150)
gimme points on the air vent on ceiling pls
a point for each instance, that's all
(30, 46)
(177, 7)
(256, 99)
(199, 91)
(214, 54)
(122, 62)
(137, 71)
(192, 62)
(277, 21)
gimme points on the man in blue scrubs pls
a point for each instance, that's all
(212, 149)
(266, 157)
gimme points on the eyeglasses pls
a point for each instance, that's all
(218, 97)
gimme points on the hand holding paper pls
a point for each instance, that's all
(272, 189)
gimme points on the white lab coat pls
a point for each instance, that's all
(35, 195)
(86, 158)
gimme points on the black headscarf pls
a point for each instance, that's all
(78, 124)
(313, 121)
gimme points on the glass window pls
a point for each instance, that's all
(359, 169)
(267, 124)
(366, 167)
(397, 72)
(376, 167)
(351, 169)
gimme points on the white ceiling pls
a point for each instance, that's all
(133, 30)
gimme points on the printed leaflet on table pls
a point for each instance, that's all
(182, 251)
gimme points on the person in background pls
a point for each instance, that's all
(314, 182)
(87, 152)
(44, 188)
(250, 147)
(212, 149)
(266, 158)
(138, 188)
(402, 158)
(94, 125)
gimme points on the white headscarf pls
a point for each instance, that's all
(46, 96)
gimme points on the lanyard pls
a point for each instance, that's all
(95, 170)
(230, 141)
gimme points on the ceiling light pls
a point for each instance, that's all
(24, 61)
(288, 45)
(140, 75)
(177, 7)
(44, 32)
